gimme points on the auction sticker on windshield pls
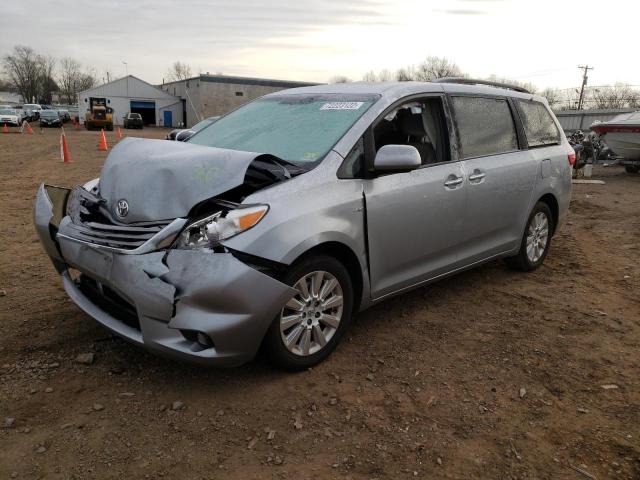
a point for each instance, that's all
(341, 106)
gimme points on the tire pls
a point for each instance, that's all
(307, 328)
(539, 227)
(632, 168)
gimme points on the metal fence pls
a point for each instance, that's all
(572, 120)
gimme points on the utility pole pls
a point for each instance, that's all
(586, 68)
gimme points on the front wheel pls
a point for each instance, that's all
(632, 168)
(535, 241)
(311, 323)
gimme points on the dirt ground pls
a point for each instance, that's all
(490, 374)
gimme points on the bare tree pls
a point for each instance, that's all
(72, 80)
(436, 67)
(179, 71)
(370, 77)
(48, 84)
(618, 96)
(553, 96)
(385, 75)
(516, 83)
(339, 79)
(86, 81)
(430, 69)
(405, 74)
(6, 86)
(68, 76)
(24, 70)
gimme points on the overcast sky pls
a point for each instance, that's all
(540, 41)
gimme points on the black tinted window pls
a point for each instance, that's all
(538, 124)
(485, 126)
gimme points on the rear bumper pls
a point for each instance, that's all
(172, 294)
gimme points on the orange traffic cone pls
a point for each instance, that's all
(4, 128)
(64, 150)
(29, 129)
(118, 133)
(77, 125)
(102, 146)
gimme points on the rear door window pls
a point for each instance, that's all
(538, 123)
(485, 126)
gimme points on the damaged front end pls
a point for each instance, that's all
(166, 284)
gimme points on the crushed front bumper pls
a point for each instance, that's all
(174, 295)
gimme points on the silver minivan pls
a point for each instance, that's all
(274, 225)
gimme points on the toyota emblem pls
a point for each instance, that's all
(122, 208)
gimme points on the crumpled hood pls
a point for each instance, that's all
(163, 180)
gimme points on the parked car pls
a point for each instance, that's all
(133, 120)
(10, 117)
(274, 225)
(31, 111)
(50, 118)
(183, 134)
(63, 113)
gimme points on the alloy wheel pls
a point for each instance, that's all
(537, 237)
(311, 318)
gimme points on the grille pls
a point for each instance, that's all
(124, 237)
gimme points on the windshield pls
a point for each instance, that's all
(296, 128)
(31, 106)
(134, 115)
(8, 112)
(204, 123)
(49, 113)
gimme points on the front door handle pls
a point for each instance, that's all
(453, 181)
(476, 177)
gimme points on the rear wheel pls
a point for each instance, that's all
(632, 168)
(535, 241)
(311, 324)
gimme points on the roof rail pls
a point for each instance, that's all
(474, 81)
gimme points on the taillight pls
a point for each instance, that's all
(572, 158)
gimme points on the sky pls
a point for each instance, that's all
(540, 41)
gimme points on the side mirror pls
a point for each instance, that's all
(397, 158)
(184, 135)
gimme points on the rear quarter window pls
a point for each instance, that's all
(538, 124)
(485, 126)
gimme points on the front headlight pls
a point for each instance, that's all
(210, 231)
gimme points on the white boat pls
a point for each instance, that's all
(622, 135)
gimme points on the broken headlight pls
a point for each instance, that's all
(210, 231)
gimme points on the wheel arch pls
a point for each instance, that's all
(345, 255)
(552, 202)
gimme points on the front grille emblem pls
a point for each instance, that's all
(122, 208)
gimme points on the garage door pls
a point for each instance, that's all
(146, 109)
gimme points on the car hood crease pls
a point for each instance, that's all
(163, 180)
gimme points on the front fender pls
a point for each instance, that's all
(332, 212)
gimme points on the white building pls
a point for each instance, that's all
(10, 98)
(130, 94)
